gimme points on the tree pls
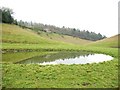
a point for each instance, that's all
(7, 15)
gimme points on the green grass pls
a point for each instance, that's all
(102, 75)
(108, 42)
(64, 38)
(15, 34)
(36, 46)
(60, 76)
(15, 37)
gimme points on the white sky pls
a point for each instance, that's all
(93, 15)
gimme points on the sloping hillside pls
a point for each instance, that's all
(16, 34)
(64, 38)
(108, 42)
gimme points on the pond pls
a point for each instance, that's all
(67, 58)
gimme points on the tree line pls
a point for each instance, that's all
(38, 27)
(84, 34)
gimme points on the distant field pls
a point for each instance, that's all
(108, 42)
(65, 38)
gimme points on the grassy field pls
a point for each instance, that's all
(65, 38)
(80, 76)
(15, 34)
(16, 38)
(102, 75)
(61, 76)
(108, 42)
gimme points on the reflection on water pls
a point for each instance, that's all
(95, 58)
(67, 58)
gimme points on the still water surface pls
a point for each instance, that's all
(67, 58)
(95, 58)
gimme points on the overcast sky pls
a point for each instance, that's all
(93, 15)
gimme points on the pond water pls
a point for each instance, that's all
(95, 58)
(67, 58)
